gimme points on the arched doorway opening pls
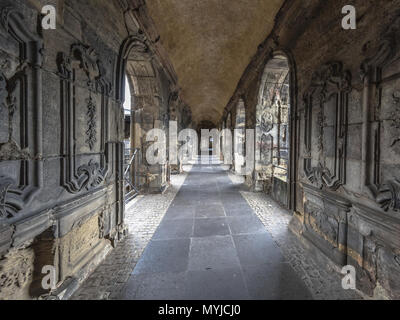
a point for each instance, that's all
(131, 160)
(208, 149)
(240, 137)
(273, 132)
(148, 110)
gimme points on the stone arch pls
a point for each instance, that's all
(275, 164)
(137, 64)
(239, 136)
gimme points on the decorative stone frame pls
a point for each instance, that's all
(16, 195)
(329, 82)
(91, 175)
(377, 74)
(136, 56)
(293, 124)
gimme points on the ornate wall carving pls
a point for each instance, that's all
(326, 104)
(381, 74)
(81, 75)
(272, 129)
(267, 142)
(21, 131)
(61, 183)
(346, 138)
(91, 123)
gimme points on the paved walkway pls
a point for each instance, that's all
(209, 238)
(211, 245)
(142, 217)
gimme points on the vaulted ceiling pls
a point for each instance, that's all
(210, 43)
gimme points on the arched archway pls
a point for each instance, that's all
(206, 133)
(273, 131)
(137, 66)
(240, 137)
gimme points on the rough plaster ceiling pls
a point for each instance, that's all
(210, 43)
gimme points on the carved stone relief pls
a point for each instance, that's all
(91, 123)
(326, 102)
(81, 71)
(267, 141)
(272, 145)
(88, 176)
(381, 74)
(21, 143)
(266, 121)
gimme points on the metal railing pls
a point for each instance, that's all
(130, 189)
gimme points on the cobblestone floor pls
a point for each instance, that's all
(323, 282)
(145, 213)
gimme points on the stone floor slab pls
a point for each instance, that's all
(174, 229)
(245, 225)
(210, 227)
(180, 212)
(259, 259)
(212, 253)
(158, 286)
(255, 249)
(276, 281)
(221, 284)
(164, 256)
(209, 210)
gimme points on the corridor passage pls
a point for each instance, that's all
(211, 245)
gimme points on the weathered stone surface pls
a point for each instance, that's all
(325, 101)
(344, 151)
(210, 45)
(16, 270)
(61, 138)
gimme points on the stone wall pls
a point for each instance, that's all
(180, 117)
(344, 160)
(61, 135)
